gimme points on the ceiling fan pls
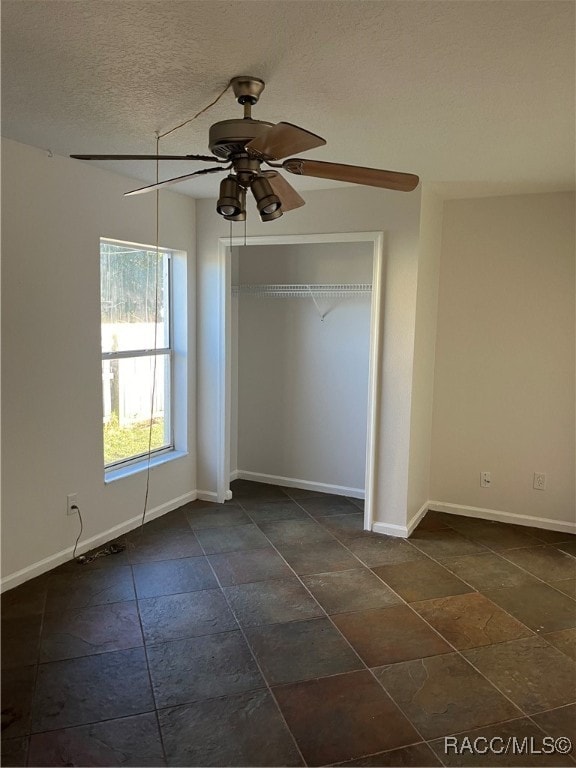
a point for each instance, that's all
(242, 145)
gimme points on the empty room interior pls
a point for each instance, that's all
(288, 432)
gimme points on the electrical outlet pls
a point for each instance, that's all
(71, 502)
(485, 480)
(539, 481)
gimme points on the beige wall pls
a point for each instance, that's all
(54, 210)
(504, 379)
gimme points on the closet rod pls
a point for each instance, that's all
(303, 290)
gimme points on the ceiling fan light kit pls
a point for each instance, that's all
(242, 145)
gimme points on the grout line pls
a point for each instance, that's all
(263, 676)
(160, 734)
(360, 659)
(460, 654)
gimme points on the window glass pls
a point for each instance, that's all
(136, 352)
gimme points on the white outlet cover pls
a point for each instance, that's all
(539, 481)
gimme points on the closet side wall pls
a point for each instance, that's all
(303, 381)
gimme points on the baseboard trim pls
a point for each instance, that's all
(293, 482)
(207, 496)
(502, 517)
(36, 569)
(389, 529)
(413, 522)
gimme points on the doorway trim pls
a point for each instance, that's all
(224, 383)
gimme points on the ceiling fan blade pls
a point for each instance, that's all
(372, 177)
(289, 198)
(175, 180)
(281, 140)
(206, 158)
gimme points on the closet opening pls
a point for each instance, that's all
(300, 344)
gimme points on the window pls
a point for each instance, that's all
(137, 351)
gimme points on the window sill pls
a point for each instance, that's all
(117, 473)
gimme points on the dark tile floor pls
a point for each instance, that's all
(273, 631)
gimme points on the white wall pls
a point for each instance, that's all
(349, 209)
(303, 381)
(54, 212)
(424, 352)
(504, 383)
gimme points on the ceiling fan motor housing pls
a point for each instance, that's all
(247, 89)
(229, 137)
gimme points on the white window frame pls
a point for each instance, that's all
(175, 395)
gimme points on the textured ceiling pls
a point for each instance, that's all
(480, 92)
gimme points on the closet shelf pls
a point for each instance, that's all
(319, 290)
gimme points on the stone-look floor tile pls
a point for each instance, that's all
(357, 502)
(216, 516)
(551, 537)
(291, 532)
(559, 722)
(17, 692)
(468, 621)
(488, 571)
(503, 744)
(168, 577)
(130, 741)
(416, 756)
(321, 557)
(14, 752)
(337, 718)
(434, 521)
(233, 539)
(25, 600)
(20, 637)
(443, 695)
(546, 563)
(539, 606)
(345, 591)
(80, 590)
(247, 490)
(252, 565)
(387, 635)
(304, 493)
(330, 505)
(533, 674)
(271, 602)
(421, 580)
(377, 549)
(443, 544)
(192, 614)
(151, 543)
(269, 511)
(301, 650)
(85, 631)
(345, 527)
(91, 688)
(492, 534)
(568, 546)
(202, 668)
(565, 641)
(567, 586)
(240, 730)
